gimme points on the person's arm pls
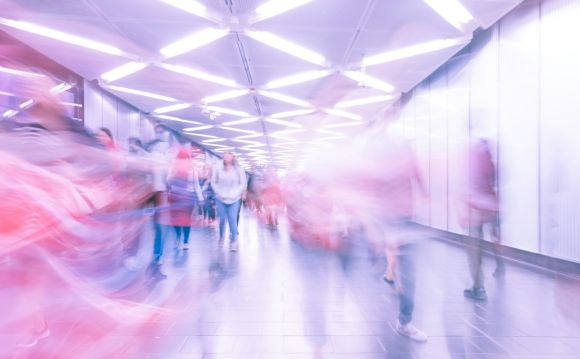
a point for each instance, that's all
(243, 183)
(215, 183)
(196, 186)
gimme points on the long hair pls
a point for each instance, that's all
(234, 160)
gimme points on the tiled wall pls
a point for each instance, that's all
(518, 85)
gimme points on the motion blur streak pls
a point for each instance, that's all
(73, 211)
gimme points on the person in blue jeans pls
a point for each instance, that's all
(229, 185)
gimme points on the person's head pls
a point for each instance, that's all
(183, 154)
(161, 132)
(135, 144)
(229, 158)
(105, 137)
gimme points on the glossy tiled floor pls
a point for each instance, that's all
(275, 299)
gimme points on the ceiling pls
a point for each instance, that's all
(218, 62)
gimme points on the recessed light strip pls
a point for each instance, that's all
(414, 50)
(296, 79)
(123, 71)
(193, 41)
(63, 37)
(140, 93)
(171, 108)
(288, 47)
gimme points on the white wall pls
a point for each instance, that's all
(104, 110)
(518, 85)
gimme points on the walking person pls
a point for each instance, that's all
(229, 184)
(184, 192)
(481, 209)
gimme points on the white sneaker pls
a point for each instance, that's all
(410, 331)
(234, 246)
(177, 244)
(185, 246)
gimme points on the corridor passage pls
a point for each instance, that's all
(276, 299)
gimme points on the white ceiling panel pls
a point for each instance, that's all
(158, 80)
(344, 32)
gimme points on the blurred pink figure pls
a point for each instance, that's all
(66, 215)
(481, 209)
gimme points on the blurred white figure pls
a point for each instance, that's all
(376, 180)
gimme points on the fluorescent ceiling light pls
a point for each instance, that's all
(225, 96)
(177, 119)
(283, 123)
(9, 94)
(236, 129)
(414, 50)
(215, 144)
(227, 111)
(26, 104)
(254, 145)
(123, 71)
(190, 6)
(193, 41)
(452, 11)
(198, 128)
(276, 7)
(224, 149)
(72, 104)
(285, 98)
(246, 141)
(242, 121)
(340, 113)
(344, 124)
(366, 80)
(200, 75)
(363, 101)
(62, 36)
(200, 135)
(288, 47)
(297, 79)
(10, 71)
(291, 113)
(171, 108)
(214, 140)
(252, 135)
(60, 88)
(9, 113)
(283, 144)
(141, 93)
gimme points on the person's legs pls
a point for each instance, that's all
(177, 232)
(496, 238)
(406, 287)
(390, 272)
(158, 243)
(233, 212)
(406, 283)
(475, 255)
(186, 231)
(223, 216)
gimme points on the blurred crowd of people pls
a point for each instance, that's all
(77, 209)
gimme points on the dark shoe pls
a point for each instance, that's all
(389, 280)
(475, 294)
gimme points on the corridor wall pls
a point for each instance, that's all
(517, 85)
(105, 110)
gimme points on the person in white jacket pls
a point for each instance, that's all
(229, 184)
